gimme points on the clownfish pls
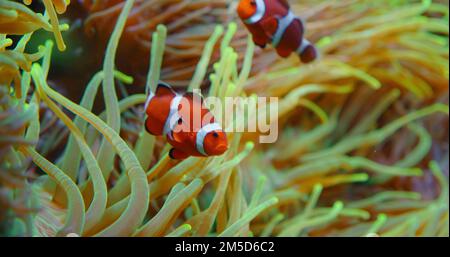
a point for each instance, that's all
(272, 22)
(172, 115)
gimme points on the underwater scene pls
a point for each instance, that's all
(224, 118)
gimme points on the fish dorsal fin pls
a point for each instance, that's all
(195, 97)
(285, 3)
(164, 89)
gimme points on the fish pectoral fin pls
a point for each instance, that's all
(178, 137)
(270, 26)
(260, 41)
(177, 154)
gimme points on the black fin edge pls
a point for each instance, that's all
(171, 154)
(164, 85)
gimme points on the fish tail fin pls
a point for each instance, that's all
(307, 51)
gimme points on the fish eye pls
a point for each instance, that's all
(180, 121)
(253, 2)
(215, 134)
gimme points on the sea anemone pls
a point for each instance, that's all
(18, 199)
(362, 147)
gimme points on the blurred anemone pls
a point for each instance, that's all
(189, 25)
(18, 200)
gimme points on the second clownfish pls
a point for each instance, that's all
(172, 115)
(272, 22)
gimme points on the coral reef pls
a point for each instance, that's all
(363, 145)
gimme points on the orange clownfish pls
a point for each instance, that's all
(172, 115)
(272, 22)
